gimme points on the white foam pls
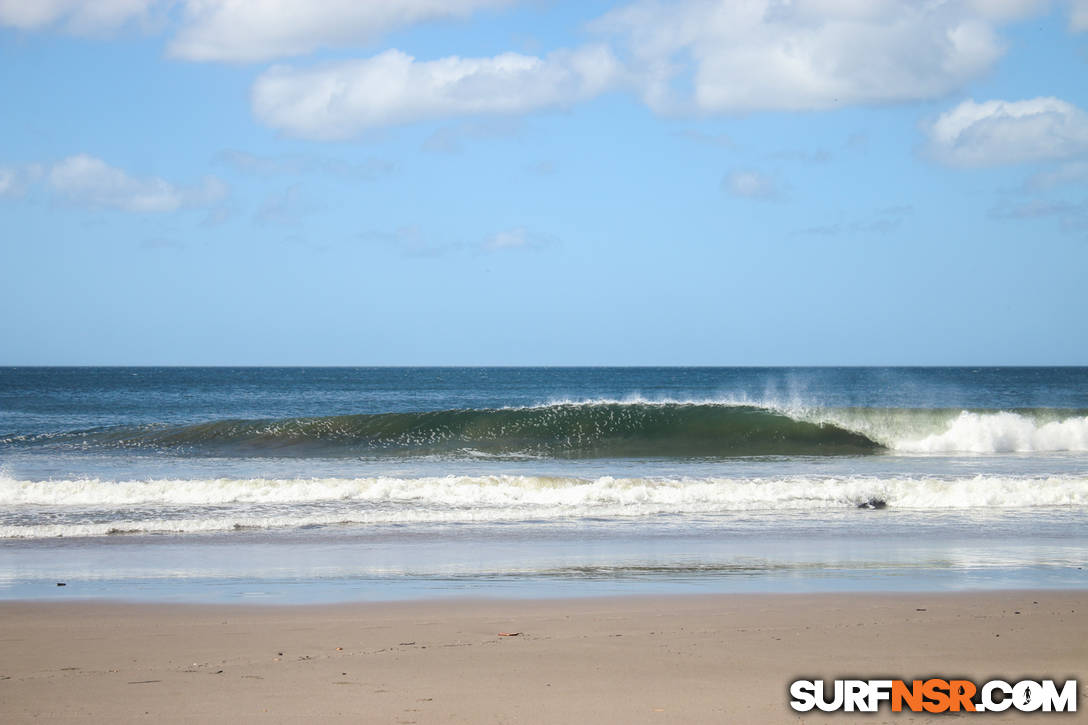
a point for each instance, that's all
(102, 507)
(1001, 432)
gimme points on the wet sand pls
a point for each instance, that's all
(727, 658)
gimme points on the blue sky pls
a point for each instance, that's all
(493, 182)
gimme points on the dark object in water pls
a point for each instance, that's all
(873, 504)
(61, 584)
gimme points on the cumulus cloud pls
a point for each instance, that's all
(727, 56)
(242, 30)
(750, 184)
(1008, 132)
(77, 16)
(339, 100)
(254, 30)
(88, 180)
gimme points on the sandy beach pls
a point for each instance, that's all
(622, 660)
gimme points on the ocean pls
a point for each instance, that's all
(291, 485)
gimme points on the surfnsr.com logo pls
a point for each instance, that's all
(933, 695)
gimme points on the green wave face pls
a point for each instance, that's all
(605, 430)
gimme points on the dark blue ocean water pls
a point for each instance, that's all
(40, 400)
(330, 483)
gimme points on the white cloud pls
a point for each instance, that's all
(78, 16)
(7, 181)
(242, 30)
(732, 56)
(750, 184)
(88, 180)
(340, 100)
(1008, 132)
(253, 30)
(1078, 15)
(509, 239)
(515, 238)
(14, 179)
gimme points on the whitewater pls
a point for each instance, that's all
(95, 507)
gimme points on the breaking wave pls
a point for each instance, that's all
(97, 507)
(609, 429)
(564, 430)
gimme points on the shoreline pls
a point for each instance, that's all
(527, 601)
(635, 658)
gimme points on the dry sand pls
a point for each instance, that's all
(625, 660)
